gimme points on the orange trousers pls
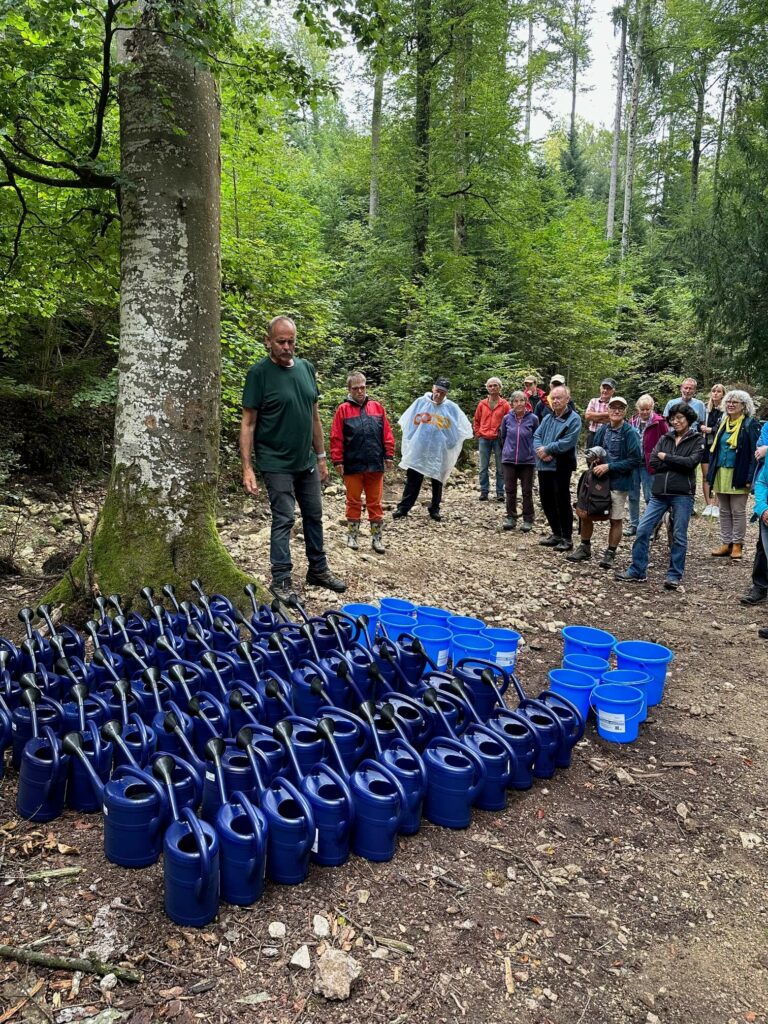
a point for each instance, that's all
(372, 484)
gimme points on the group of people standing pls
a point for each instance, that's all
(532, 436)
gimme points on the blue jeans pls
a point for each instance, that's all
(285, 489)
(486, 449)
(680, 507)
(641, 479)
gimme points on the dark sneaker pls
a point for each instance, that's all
(671, 584)
(608, 560)
(399, 514)
(527, 527)
(325, 578)
(435, 515)
(550, 542)
(755, 595)
(763, 633)
(483, 497)
(283, 590)
(631, 531)
(564, 545)
(509, 523)
(581, 554)
(500, 498)
(625, 577)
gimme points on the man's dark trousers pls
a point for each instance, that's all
(413, 482)
(285, 489)
(555, 495)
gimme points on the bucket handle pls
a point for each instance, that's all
(627, 718)
(239, 797)
(477, 761)
(487, 664)
(189, 816)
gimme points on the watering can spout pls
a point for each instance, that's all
(73, 744)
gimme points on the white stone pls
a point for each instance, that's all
(301, 958)
(277, 930)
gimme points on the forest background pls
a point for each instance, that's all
(397, 205)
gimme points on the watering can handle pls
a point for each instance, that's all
(138, 721)
(192, 772)
(476, 760)
(531, 733)
(580, 719)
(503, 742)
(413, 752)
(363, 649)
(149, 780)
(539, 705)
(309, 663)
(51, 702)
(397, 820)
(189, 816)
(92, 728)
(344, 787)
(492, 665)
(349, 716)
(53, 742)
(355, 624)
(306, 810)
(239, 797)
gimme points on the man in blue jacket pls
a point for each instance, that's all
(623, 457)
(554, 445)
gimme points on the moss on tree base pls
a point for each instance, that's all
(134, 545)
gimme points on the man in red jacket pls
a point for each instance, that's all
(488, 416)
(362, 447)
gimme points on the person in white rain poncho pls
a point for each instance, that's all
(434, 429)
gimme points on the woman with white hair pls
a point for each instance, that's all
(732, 468)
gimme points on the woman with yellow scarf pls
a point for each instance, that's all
(732, 468)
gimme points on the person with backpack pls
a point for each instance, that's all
(674, 462)
(554, 444)
(623, 457)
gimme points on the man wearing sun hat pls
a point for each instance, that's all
(544, 406)
(434, 430)
(533, 393)
(623, 457)
(596, 413)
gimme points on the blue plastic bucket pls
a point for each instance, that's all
(428, 615)
(393, 625)
(470, 645)
(370, 610)
(618, 709)
(437, 644)
(588, 664)
(586, 640)
(574, 686)
(397, 605)
(631, 677)
(505, 643)
(652, 659)
(465, 624)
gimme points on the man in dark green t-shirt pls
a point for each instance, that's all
(281, 432)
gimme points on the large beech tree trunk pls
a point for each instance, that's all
(158, 521)
(611, 215)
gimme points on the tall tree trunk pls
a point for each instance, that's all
(461, 86)
(158, 521)
(700, 88)
(422, 127)
(529, 80)
(611, 215)
(376, 113)
(719, 146)
(629, 169)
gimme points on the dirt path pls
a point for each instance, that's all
(630, 887)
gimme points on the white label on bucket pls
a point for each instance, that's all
(442, 658)
(611, 722)
(210, 776)
(506, 658)
(317, 841)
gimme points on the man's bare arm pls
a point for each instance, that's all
(318, 443)
(247, 431)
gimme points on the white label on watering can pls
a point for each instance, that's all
(506, 658)
(317, 841)
(210, 776)
(611, 722)
(442, 658)
(104, 809)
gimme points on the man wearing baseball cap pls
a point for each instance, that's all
(597, 408)
(544, 406)
(623, 456)
(434, 430)
(533, 393)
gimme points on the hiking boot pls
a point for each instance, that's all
(755, 595)
(526, 527)
(763, 633)
(435, 515)
(483, 497)
(509, 523)
(582, 553)
(377, 542)
(723, 551)
(500, 498)
(325, 578)
(670, 584)
(625, 577)
(283, 589)
(608, 559)
(353, 530)
(550, 542)
(399, 514)
(631, 531)
(564, 545)
(736, 551)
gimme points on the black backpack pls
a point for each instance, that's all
(593, 496)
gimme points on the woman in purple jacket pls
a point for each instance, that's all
(517, 460)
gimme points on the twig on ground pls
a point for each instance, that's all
(65, 963)
(38, 876)
(380, 940)
(586, 1007)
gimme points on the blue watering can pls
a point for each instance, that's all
(83, 707)
(351, 734)
(245, 707)
(381, 804)
(329, 797)
(265, 753)
(291, 831)
(81, 793)
(175, 732)
(187, 676)
(210, 718)
(484, 697)
(411, 715)
(42, 778)
(242, 832)
(10, 657)
(190, 863)
(6, 732)
(132, 742)
(403, 760)
(33, 714)
(168, 650)
(107, 666)
(227, 769)
(186, 780)
(456, 775)
(121, 701)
